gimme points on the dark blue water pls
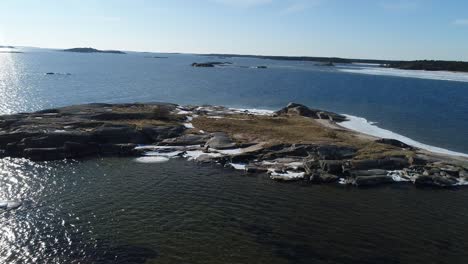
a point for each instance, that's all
(120, 211)
(434, 112)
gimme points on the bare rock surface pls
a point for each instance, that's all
(296, 143)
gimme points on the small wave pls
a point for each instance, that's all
(362, 125)
(420, 74)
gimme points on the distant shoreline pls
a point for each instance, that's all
(428, 65)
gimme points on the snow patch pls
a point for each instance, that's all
(286, 176)
(188, 125)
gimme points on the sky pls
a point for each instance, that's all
(377, 29)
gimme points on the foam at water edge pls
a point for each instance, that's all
(360, 124)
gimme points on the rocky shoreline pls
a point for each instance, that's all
(296, 143)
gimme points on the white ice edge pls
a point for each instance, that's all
(152, 159)
(360, 124)
(238, 166)
(163, 154)
(195, 154)
(420, 74)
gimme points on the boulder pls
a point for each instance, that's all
(394, 142)
(10, 205)
(160, 133)
(302, 110)
(186, 140)
(333, 152)
(220, 141)
(205, 158)
(332, 166)
(311, 165)
(282, 150)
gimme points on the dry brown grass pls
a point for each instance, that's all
(293, 130)
(373, 150)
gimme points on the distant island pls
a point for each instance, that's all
(7, 47)
(428, 65)
(91, 50)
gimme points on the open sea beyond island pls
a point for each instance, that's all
(113, 210)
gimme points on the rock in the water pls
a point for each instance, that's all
(186, 140)
(10, 205)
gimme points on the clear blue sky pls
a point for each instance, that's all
(382, 29)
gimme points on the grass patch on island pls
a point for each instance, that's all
(294, 130)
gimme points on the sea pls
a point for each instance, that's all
(113, 210)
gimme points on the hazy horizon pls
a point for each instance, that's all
(386, 29)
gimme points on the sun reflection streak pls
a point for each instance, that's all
(10, 97)
(33, 231)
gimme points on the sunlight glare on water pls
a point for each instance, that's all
(9, 94)
(32, 230)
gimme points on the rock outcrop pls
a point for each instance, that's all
(302, 110)
(292, 144)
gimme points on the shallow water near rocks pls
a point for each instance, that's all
(121, 211)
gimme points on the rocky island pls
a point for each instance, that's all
(296, 143)
(91, 50)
